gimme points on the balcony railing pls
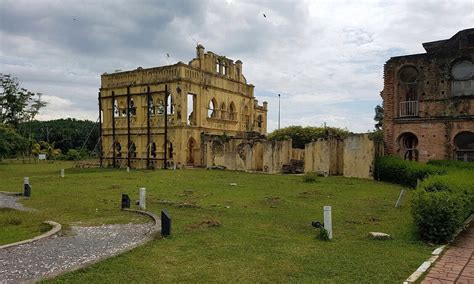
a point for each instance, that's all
(408, 108)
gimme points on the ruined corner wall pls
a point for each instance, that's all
(359, 155)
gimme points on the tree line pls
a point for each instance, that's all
(22, 135)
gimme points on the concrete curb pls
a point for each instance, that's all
(149, 237)
(11, 193)
(435, 255)
(56, 228)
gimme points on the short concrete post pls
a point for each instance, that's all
(62, 173)
(328, 220)
(142, 201)
(128, 169)
(26, 187)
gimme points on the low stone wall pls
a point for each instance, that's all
(359, 155)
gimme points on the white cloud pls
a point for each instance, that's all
(324, 57)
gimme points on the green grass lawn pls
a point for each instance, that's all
(257, 231)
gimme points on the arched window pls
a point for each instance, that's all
(212, 112)
(132, 150)
(232, 111)
(259, 121)
(223, 111)
(117, 149)
(151, 106)
(408, 78)
(408, 143)
(116, 109)
(153, 150)
(463, 75)
(169, 104)
(218, 66)
(132, 108)
(224, 68)
(161, 108)
(464, 142)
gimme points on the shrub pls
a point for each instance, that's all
(394, 169)
(310, 177)
(442, 203)
(438, 215)
(73, 155)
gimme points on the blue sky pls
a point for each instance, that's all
(325, 57)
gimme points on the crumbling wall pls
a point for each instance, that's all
(275, 155)
(325, 156)
(359, 155)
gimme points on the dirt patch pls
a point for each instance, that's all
(208, 223)
(179, 204)
(373, 219)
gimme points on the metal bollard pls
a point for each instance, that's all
(165, 223)
(125, 201)
(26, 187)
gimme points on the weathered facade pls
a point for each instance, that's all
(141, 109)
(429, 101)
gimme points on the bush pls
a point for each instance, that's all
(452, 164)
(310, 177)
(73, 155)
(394, 169)
(438, 215)
(442, 203)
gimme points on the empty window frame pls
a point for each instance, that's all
(463, 78)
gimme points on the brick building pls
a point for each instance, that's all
(429, 101)
(156, 116)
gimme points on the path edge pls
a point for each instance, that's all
(56, 228)
(435, 255)
(153, 233)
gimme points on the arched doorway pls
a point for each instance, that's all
(464, 143)
(408, 143)
(190, 155)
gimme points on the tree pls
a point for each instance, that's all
(11, 142)
(300, 136)
(17, 104)
(378, 117)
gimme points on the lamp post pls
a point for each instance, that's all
(278, 111)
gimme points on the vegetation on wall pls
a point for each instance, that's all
(301, 136)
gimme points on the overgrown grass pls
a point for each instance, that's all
(260, 230)
(17, 225)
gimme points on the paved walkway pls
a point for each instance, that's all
(456, 265)
(11, 201)
(60, 253)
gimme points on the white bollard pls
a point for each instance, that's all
(142, 201)
(328, 221)
(128, 169)
(400, 199)
(62, 173)
(26, 180)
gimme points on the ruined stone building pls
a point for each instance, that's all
(429, 101)
(141, 109)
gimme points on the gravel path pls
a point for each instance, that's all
(61, 253)
(11, 201)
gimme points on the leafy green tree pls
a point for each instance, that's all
(11, 142)
(378, 117)
(303, 135)
(17, 104)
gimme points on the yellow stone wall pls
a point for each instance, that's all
(235, 109)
